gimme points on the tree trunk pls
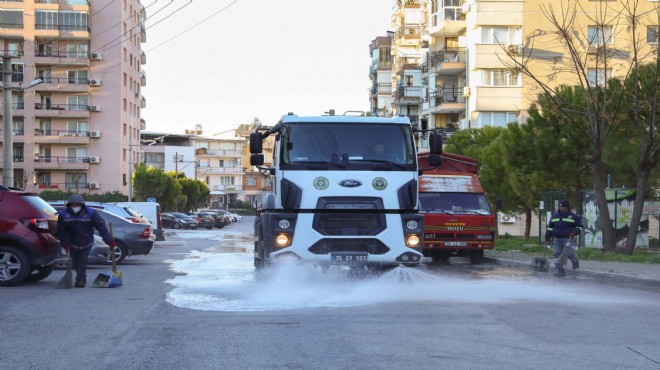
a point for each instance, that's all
(598, 171)
(528, 223)
(640, 196)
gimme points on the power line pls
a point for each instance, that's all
(195, 25)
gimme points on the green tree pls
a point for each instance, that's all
(197, 193)
(154, 183)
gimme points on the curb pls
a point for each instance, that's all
(613, 278)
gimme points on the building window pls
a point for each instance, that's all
(18, 126)
(652, 33)
(77, 77)
(44, 48)
(77, 50)
(77, 102)
(76, 180)
(73, 21)
(251, 181)
(497, 119)
(11, 19)
(43, 179)
(600, 35)
(598, 77)
(501, 35)
(16, 72)
(76, 155)
(45, 20)
(77, 128)
(500, 77)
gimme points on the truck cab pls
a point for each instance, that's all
(344, 192)
(458, 218)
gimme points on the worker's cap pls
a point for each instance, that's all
(563, 203)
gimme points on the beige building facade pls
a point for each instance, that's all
(79, 129)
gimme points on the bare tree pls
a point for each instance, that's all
(584, 55)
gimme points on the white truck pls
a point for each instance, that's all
(344, 191)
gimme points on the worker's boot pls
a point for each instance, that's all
(575, 262)
(560, 270)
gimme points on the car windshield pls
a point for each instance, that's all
(455, 203)
(344, 146)
(181, 215)
(39, 204)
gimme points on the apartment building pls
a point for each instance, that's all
(407, 51)
(465, 50)
(79, 128)
(380, 74)
(220, 166)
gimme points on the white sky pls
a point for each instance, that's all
(257, 58)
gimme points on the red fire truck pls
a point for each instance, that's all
(458, 218)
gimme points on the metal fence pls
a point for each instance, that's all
(621, 202)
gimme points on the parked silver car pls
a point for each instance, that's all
(122, 210)
(132, 238)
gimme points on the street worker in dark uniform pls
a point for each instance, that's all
(75, 228)
(563, 226)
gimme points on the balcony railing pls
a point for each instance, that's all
(11, 1)
(41, 132)
(76, 185)
(61, 54)
(66, 2)
(155, 164)
(409, 92)
(65, 80)
(61, 106)
(11, 25)
(51, 159)
(15, 132)
(381, 88)
(227, 187)
(61, 27)
(444, 96)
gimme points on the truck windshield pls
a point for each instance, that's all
(344, 145)
(455, 203)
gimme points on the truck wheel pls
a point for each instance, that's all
(14, 266)
(259, 261)
(476, 257)
(440, 257)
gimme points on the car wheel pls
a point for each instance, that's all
(209, 227)
(176, 226)
(39, 273)
(14, 266)
(120, 253)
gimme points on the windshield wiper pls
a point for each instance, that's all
(399, 165)
(321, 162)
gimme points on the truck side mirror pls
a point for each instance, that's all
(435, 143)
(256, 145)
(257, 160)
(435, 160)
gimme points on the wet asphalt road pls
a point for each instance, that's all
(432, 317)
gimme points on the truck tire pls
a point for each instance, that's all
(476, 257)
(259, 261)
(14, 266)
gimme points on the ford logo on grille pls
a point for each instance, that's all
(350, 183)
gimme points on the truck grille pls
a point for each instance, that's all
(349, 224)
(371, 246)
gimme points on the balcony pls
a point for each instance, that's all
(62, 163)
(63, 84)
(228, 187)
(381, 89)
(78, 59)
(411, 94)
(445, 62)
(208, 170)
(448, 100)
(61, 110)
(219, 153)
(448, 21)
(60, 137)
(155, 164)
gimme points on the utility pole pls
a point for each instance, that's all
(8, 145)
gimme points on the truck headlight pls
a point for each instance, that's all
(412, 240)
(282, 240)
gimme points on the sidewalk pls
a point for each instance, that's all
(635, 274)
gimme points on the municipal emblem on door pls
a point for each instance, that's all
(321, 183)
(379, 183)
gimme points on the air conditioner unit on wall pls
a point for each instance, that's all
(95, 134)
(94, 82)
(94, 108)
(96, 56)
(466, 91)
(514, 49)
(94, 159)
(507, 219)
(94, 185)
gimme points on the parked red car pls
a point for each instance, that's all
(28, 247)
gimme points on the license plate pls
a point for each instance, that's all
(348, 257)
(455, 244)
